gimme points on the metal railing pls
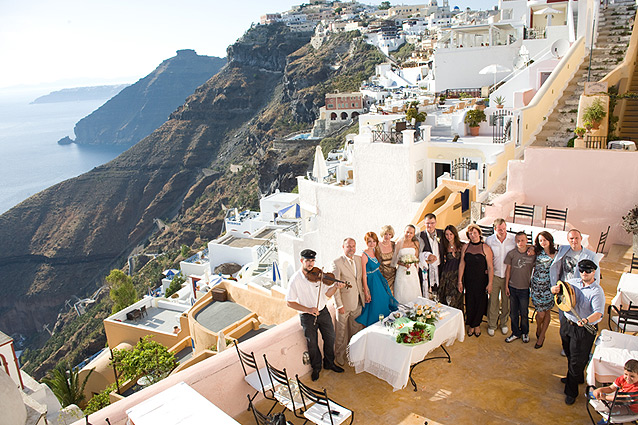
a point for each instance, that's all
(456, 93)
(391, 136)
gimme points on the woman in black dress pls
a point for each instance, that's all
(449, 270)
(476, 271)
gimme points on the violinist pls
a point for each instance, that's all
(348, 301)
(308, 296)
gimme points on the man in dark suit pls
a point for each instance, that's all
(430, 257)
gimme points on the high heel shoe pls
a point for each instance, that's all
(537, 345)
(470, 332)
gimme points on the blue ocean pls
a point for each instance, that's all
(32, 160)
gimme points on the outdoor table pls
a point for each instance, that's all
(178, 405)
(560, 236)
(375, 350)
(627, 291)
(612, 351)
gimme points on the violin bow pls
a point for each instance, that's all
(318, 298)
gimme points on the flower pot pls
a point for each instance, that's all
(474, 131)
(499, 106)
(595, 125)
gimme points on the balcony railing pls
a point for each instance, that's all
(596, 142)
(391, 136)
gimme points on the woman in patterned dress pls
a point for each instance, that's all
(449, 269)
(385, 252)
(542, 297)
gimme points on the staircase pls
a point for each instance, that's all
(614, 33)
(629, 128)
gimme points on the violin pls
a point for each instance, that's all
(328, 279)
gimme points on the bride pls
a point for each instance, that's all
(406, 283)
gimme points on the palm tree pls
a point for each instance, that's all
(65, 384)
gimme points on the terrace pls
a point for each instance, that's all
(487, 382)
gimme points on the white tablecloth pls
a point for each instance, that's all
(627, 291)
(375, 350)
(560, 236)
(178, 405)
(610, 355)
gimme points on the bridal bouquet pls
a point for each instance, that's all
(414, 333)
(408, 260)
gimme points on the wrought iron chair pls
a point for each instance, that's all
(282, 390)
(602, 241)
(260, 418)
(323, 410)
(625, 319)
(634, 263)
(556, 214)
(524, 211)
(486, 230)
(616, 411)
(258, 379)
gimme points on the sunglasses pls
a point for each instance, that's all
(586, 270)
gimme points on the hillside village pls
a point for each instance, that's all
(473, 114)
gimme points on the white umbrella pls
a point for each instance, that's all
(549, 11)
(494, 69)
(221, 342)
(320, 169)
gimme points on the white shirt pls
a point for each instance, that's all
(434, 245)
(304, 292)
(500, 250)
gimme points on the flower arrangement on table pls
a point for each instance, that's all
(407, 261)
(414, 325)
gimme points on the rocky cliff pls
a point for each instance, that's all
(142, 107)
(63, 241)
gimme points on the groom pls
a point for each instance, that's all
(430, 257)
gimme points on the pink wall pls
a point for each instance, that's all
(598, 187)
(220, 378)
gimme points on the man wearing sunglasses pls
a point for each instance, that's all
(587, 309)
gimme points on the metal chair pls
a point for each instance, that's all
(258, 379)
(143, 311)
(556, 214)
(524, 211)
(486, 230)
(323, 410)
(634, 263)
(260, 418)
(616, 411)
(282, 390)
(625, 320)
(602, 241)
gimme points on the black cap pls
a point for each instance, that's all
(586, 266)
(308, 254)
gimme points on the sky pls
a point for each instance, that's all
(71, 43)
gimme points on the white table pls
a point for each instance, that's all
(560, 236)
(612, 351)
(178, 405)
(375, 350)
(627, 291)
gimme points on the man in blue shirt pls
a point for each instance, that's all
(587, 308)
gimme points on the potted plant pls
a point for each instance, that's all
(412, 115)
(588, 126)
(579, 132)
(630, 224)
(473, 118)
(500, 102)
(595, 113)
(442, 99)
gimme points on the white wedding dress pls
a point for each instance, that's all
(407, 286)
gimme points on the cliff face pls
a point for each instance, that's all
(63, 241)
(142, 107)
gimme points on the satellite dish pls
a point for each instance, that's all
(559, 48)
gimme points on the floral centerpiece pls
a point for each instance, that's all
(413, 324)
(630, 224)
(424, 313)
(407, 261)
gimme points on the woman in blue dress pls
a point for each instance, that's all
(542, 297)
(379, 299)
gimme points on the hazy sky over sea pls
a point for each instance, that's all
(69, 43)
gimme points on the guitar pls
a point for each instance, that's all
(565, 300)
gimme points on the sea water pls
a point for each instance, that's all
(31, 159)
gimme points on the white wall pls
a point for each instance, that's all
(220, 254)
(450, 75)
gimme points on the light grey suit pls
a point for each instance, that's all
(351, 299)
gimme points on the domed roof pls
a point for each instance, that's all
(11, 404)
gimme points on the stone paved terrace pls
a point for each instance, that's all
(488, 381)
(221, 314)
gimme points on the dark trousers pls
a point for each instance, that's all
(325, 326)
(577, 343)
(519, 310)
